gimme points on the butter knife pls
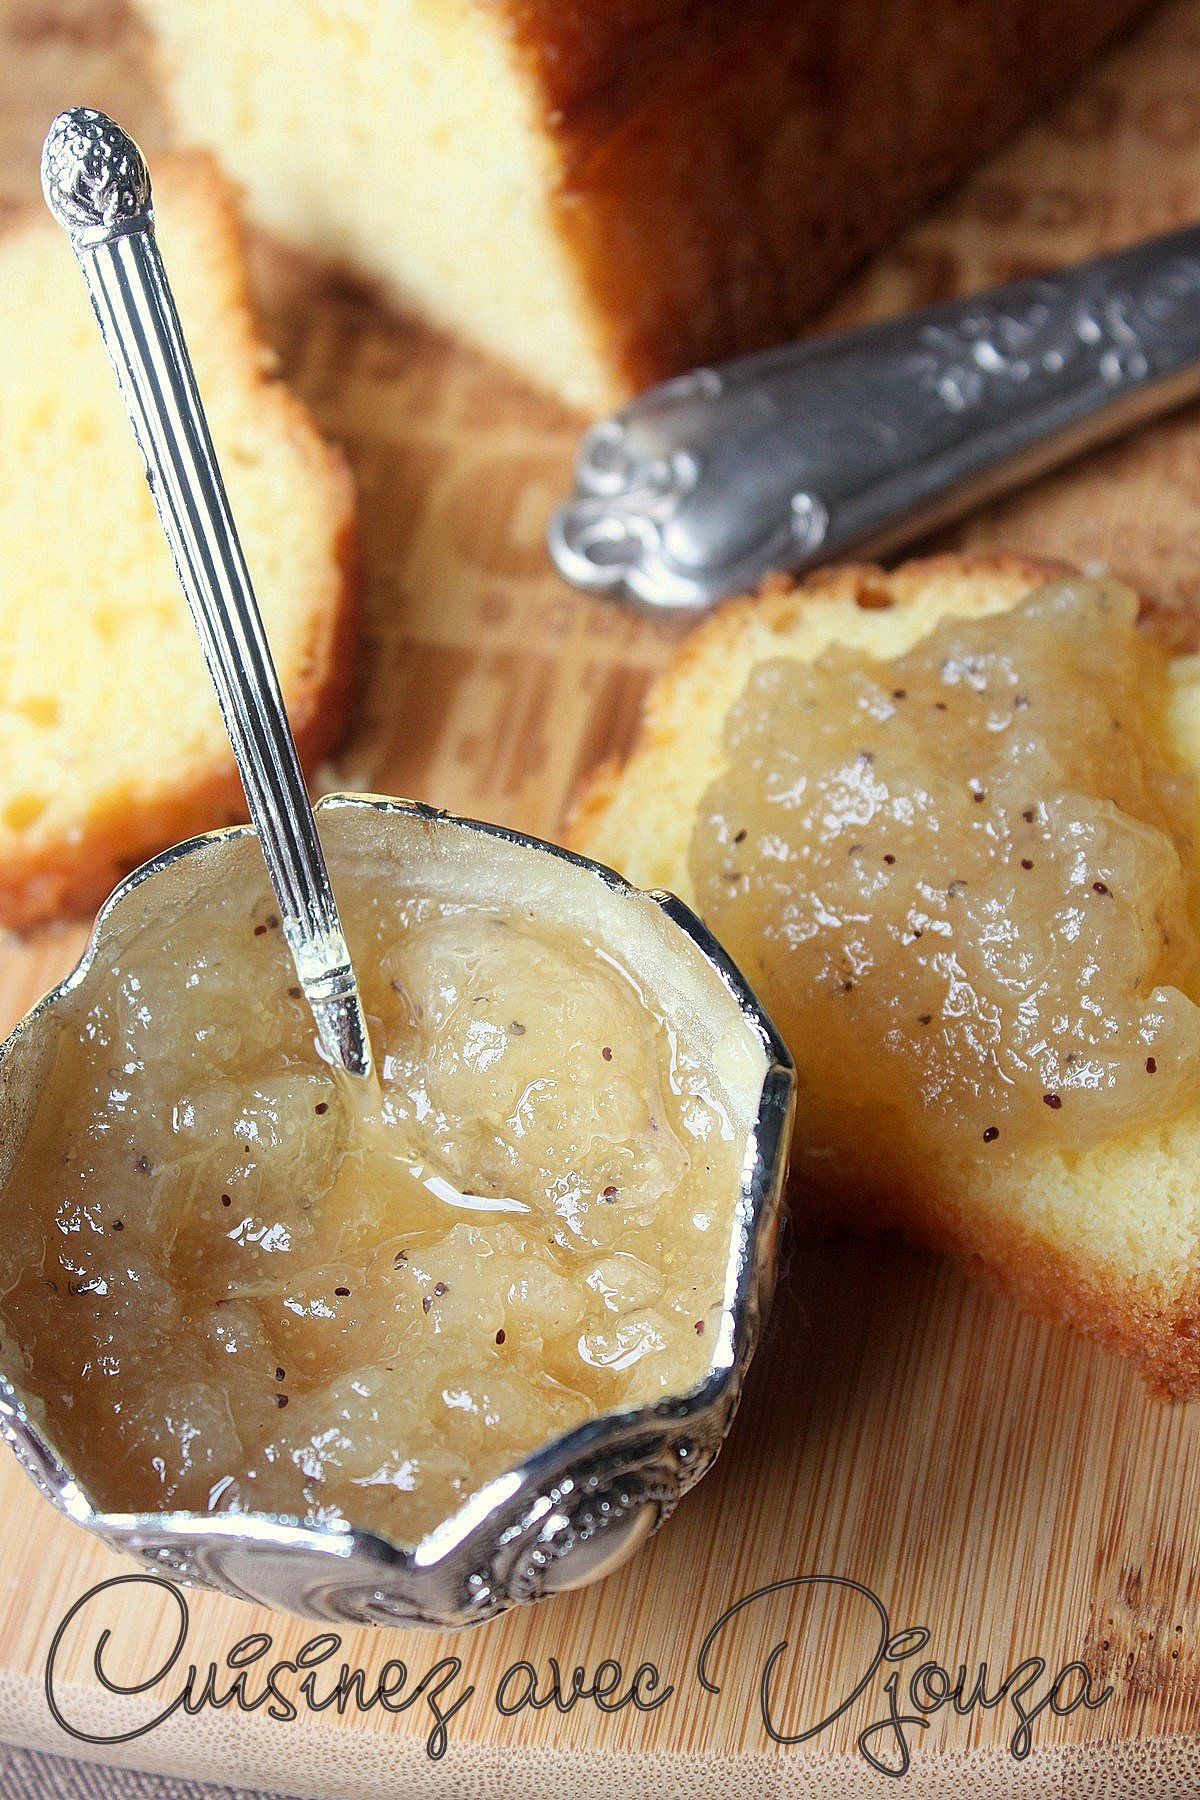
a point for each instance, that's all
(856, 442)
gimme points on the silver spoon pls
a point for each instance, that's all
(98, 187)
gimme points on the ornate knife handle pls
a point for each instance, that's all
(854, 442)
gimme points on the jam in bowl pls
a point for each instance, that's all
(411, 1349)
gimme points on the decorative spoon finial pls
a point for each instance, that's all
(94, 177)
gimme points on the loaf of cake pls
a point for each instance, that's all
(111, 744)
(605, 194)
(946, 821)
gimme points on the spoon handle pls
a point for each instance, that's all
(98, 187)
(855, 442)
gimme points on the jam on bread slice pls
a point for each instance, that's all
(945, 818)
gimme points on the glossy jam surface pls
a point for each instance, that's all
(237, 1285)
(960, 882)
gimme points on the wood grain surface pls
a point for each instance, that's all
(990, 1478)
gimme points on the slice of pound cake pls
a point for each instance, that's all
(111, 744)
(605, 194)
(945, 819)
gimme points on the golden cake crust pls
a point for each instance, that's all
(724, 168)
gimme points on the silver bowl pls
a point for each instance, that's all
(583, 1502)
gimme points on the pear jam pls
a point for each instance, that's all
(960, 882)
(240, 1282)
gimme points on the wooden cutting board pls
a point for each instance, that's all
(904, 1435)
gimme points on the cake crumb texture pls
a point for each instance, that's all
(111, 743)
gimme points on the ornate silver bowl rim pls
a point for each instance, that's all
(566, 1514)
